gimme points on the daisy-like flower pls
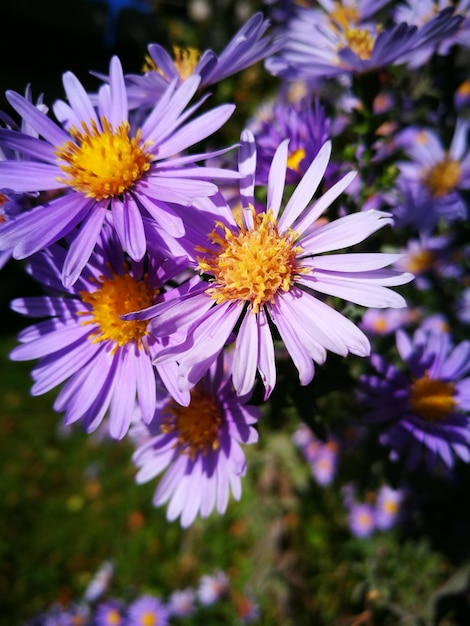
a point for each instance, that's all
(249, 45)
(386, 321)
(361, 519)
(182, 602)
(147, 611)
(100, 163)
(265, 270)
(306, 127)
(344, 39)
(212, 587)
(104, 361)
(387, 507)
(433, 177)
(424, 409)
(199, 447)
(109, 613)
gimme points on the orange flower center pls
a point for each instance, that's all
(432, 399)
(443, 177)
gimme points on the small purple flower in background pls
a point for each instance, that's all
(361, 518)
(386, 321)
(268, 267)
(321, 456)
(424, 410)
(147, 610)
(199, 447)
(104, 361)
(463, 306)
(111, 613)
(344, 38)
(433, 177)
(387, 507)
(249, 45)
(99, 164)
(246, 607)
(462, 95)
(181, 603)
(212, 587)
(306, 127)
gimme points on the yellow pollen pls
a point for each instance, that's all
(420, 262)
(149, 619)
(197, 425)
(185, 60)
(360, 41)
(103, 163)
(432, 399)
(343, 16)
(391, 507)
(443, 177)
(294, 159)
(464, 89)
(380, 325)
(113, 618)
(251, 265)
(114, 297)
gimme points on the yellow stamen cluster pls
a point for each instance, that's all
(432, 399)
(116, 296)
(103, 163)
(360, 41)
(344, 15)
(443, 177)
(420, 262)
(148, 619)
(252, 264)
(185, 60)
(294, 159)
(197, 425)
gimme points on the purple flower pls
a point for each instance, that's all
(212, 588)
(99, 163)
(266, 268)
(321, 456)
(182, 602)
(386, 321)
(433, 177)
(109, 613)
(424, 409)
(147, 611)
(248, 46)
(199, 447)
(344, 39)
(387, 507)
(361, 519)
(104, 361)
(306, 127)
(100, 582)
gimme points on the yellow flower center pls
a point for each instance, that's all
(252, 264)
(343, 16)
(113, 618)
(197, 425)
(420, 262)
(294, 159)
(185, 60)
(116, 296)
(149, 619)
(391, 507)
(360, 41)
(432, 399)
(443, 177)
(103, 163)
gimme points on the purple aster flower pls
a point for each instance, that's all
(104, 361)
(182, 602)
(433, 177)
(386, 321)
(307, 129)
(463, 306)
(248, 46)
(424, 409)
(110, 613)
(322, 456)
(212, 588)
(101, 164)
(345, 38)
(100, 582)
(462, 95)
(266, 268)
(147, 611)
(387, 507)
(199, 446)
(420, 13)
(361, 519)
